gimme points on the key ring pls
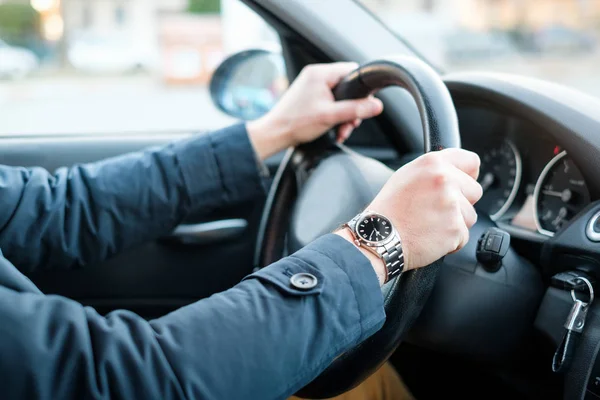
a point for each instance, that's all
(590, 288)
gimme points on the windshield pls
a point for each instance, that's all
(555, 40)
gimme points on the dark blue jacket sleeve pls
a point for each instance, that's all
(262, 339)
(87, 213)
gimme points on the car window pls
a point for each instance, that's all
(555, 40)
(108, 67)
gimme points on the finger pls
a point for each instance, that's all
(470, 188)
(350, 110)
(468, 212)
(466, 161)
(463, 238)
(344, 132)
(335, 72)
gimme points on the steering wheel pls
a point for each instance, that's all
(321, 185)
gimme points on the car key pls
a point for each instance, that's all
(574, 327)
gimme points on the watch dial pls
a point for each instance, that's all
(374, 228)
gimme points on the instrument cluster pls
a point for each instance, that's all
(528, 180)
(560, 193)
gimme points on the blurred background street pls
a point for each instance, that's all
(70, 105)
(111, 66)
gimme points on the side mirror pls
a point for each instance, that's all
(248, 84)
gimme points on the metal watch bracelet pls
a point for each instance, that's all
(390, 252)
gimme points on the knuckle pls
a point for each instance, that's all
(476, 159)
(448, 198)
(457, 216)
(473, 162)
(310, 71)
(461, 235)
(304, 72)
(478, 191)
(472, 157)
(326, 118)
(456, 245)
(441, 179)
(472, 218)
(457, 227)
(431, 159)
(465, 238)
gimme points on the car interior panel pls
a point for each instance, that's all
(488, 328)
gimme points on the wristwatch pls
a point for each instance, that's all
(377, 234)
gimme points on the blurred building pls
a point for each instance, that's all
(134, 20)
(131, 17)
(154, 35)
(539, 14)
(194, 45)
(158, 35)
(499, 14)
(457, 30)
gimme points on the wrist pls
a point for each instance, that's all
(403, 234)
(376, 262)
(270, 135)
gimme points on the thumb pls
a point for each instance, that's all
(350, 110)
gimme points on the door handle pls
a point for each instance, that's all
(209, 232)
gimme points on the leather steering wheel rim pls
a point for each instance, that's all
(405, 296)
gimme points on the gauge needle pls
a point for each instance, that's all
(552, 193)
(562, 213)
(487, 181)
(566, 195)
(371, 235)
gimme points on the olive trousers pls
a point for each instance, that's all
(384, 384)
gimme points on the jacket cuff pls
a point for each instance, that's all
(362, 278)
(228, 165)
(339, 269)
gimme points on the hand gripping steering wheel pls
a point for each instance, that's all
(321, 185)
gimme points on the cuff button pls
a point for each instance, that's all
(304, 281)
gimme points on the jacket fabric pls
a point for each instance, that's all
(265, 338)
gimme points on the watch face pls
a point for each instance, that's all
(374, 228)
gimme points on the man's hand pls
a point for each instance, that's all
(308, 109)
(430, 202)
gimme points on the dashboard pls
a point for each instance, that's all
(539, 148)
(530, 182)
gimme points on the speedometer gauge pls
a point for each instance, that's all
(499, 176)
(560, 193)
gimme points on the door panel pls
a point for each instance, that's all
(159, 276)
(52, 152)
